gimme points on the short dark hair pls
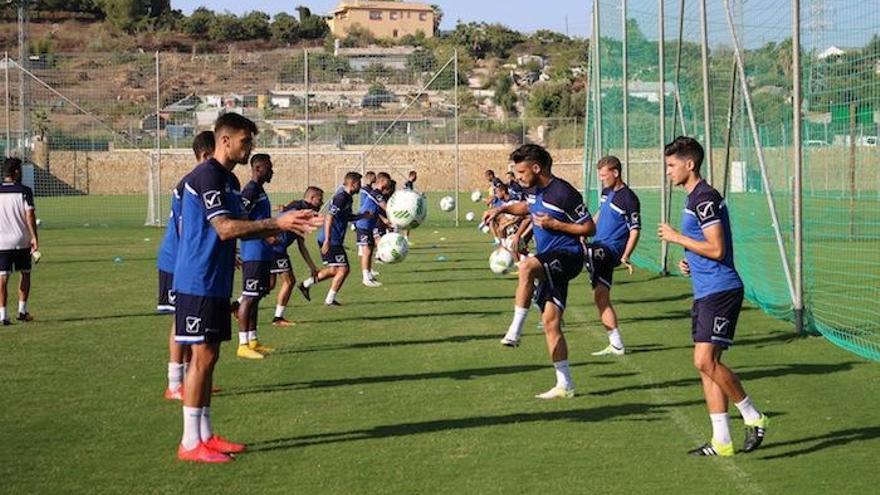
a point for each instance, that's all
(501, 187)
(260, 158)
(11, 165)
(489, 172)
(533, 153)
(411, 172)
(511, 174)
(203, 143)
(352, 176)
(383, 175)
(611, 162)
(370, 175)
(392, 185)
(235, 122)
(686, 147)
(313, 190)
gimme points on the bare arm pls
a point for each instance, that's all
(712, 247)
(630, 245)
(519, 209)
(32, 228)
(300, 222)
(547, 222)
(325, 246)
(306, 256)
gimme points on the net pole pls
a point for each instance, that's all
(729, 130)
(678, 111)
(707, 100)
(457, 161)
(625, 67)
(157, 219)
(306, 101)
(8, 102)
(798, 168)
(22, 81)
(597, 78)
(587, 148)
(759, 149)
(664, 207)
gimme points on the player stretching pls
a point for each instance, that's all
(256, 255)
(560, 220)
(178, 354)
(203, 273)
(331, 239)
(618, 225)
(718, 295)
(281, 266)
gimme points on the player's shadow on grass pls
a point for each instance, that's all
(463, 374)
(646, 300)
(448, 268)
(438, 281)
(684, 314)
(821, 442)
(747, 375)
(454, 339)
(633, 412)
(505, 297)
(108, 260)
(105, 317)
(757, 342)
(360, 317)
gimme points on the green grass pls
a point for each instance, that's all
(405, 389)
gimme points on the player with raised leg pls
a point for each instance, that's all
(560, 220)
(707, 239)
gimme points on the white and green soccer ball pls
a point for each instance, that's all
(447, 203)
(407, 209)
(469, 216)
(476, 196)
(500, 261)
(392, 248)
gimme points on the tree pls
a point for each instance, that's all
(311, 27)
(358, 36)
(199, 22)
(482, 39)
(284, 28)
(125, 14)
(504, 95)
(438, 17)
(256, 25)
(421, 61)
(227, 27)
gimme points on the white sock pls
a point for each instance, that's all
(22, 307)
(243, 338)
(748, 411)
(252, 335)
(279, 311)
(2, 312)
(175, 375)
(205, 430)
(615, 339)
(240, 298)
(192, 418)
(367, 275)
(720, 428)
(331, 296)
(563, 375)
(519, 319)
(309, 282)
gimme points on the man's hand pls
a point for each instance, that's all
(625, 262)
(325, 248)
(35, 246)
(489, 215)
(514, 243)
(300, 222)
(684, 268)
(666, 233)
(545, 221)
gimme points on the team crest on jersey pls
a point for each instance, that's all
(531, 199)
(251, 284)
(211, 199)
(719, 326)
(245, 202)
(333, 209)
(193, 324)
(581, 210)
(635, 218)
(706, 210)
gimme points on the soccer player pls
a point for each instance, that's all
(372, 201)
(203, 274)
(281, 266)
(368, 182)
(18, 237)
(331, 238)
(256, 255)
(410, 184)
(494, 182)
(178, 354)
(718, 294)
(560, 219)
(513, 187)
(618, 224)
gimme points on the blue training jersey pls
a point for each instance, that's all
(340, 214)
(515, 190)
(167, 256)
(255, 204)
(284, 238)
(619, 213)
(704, 208)
(205, 264)
(370, 202)
(563, 202)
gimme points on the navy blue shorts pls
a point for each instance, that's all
(365, 237)
(255, 278)
(202, 319)
(714, 317)
(600, 263)
(336, 256)
(15, 260)
(560, 267)
(280, 264)
(166, 293)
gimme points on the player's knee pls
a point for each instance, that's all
(704, 363)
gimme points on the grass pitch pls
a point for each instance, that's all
(405, 389)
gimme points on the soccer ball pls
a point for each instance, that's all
(476, 196)
(500, 261)
(447, 203)
(407, 209)
(469, 216)
(485, 229)
(392, 248)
